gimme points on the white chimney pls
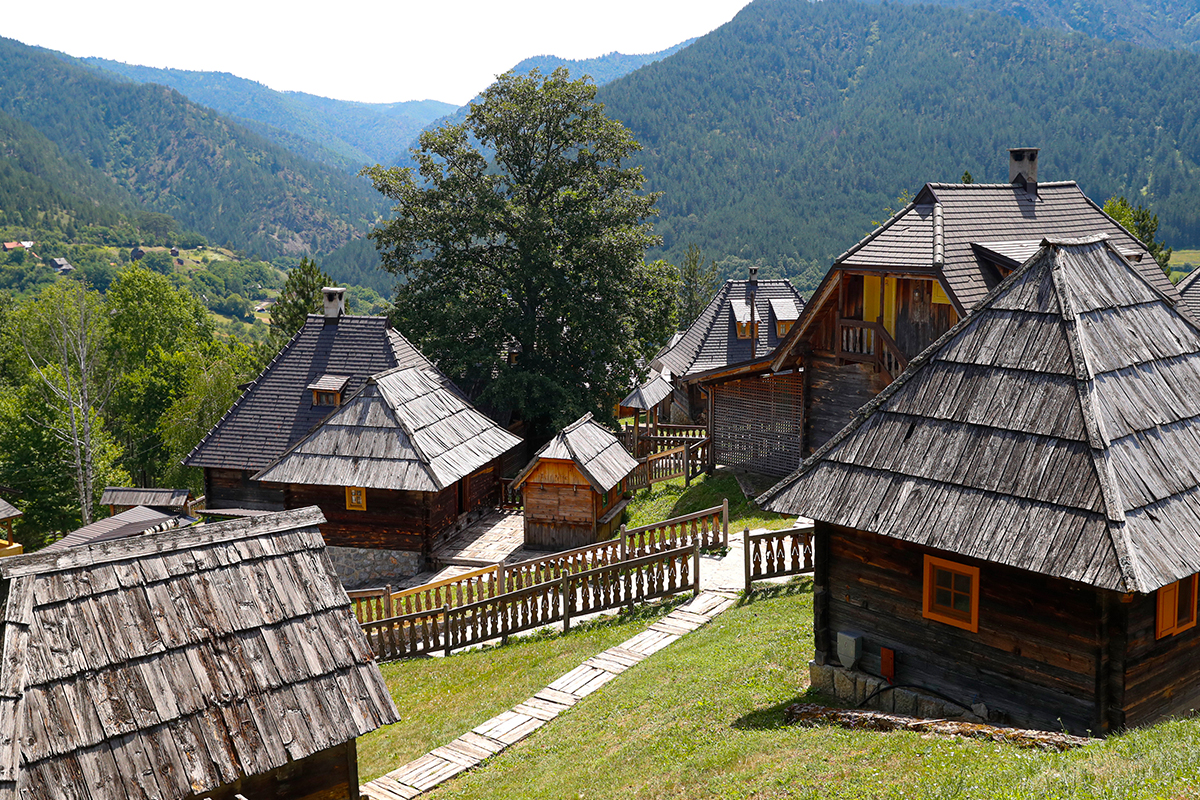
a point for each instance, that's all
(1022, 168)
(335, 302)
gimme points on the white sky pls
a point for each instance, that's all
(366, 50)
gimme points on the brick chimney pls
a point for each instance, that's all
(1022, 168)
(335, 303)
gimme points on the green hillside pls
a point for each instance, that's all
(175, 157)
(602, 69)
(338, 132)
(786, 132)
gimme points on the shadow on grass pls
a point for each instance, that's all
(769, 591)
(771, 717)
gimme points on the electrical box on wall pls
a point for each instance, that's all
(849, 648)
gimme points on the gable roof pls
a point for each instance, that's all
(8, 510)
(598, 454)
(277, 410)
(937, 230)
(711, 342)
(129, 522)
(403, 430)
(1056, 429)
(649, 394)
(173, 664)
(126, 496)
(1188, 289)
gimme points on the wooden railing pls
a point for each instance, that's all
(708, 528)
(871, 343)
(773, 554)
(371, 604)
(510, 497)
(688, 431)
(601, 588)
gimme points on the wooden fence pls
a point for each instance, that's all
(773, 554)
(657, 574)
(708, 528)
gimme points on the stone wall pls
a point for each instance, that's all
(852, 686)
(364, 567)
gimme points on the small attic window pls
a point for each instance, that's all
(785, 312)
(741, 319)
(356, 498)
(327, 389)
(744, 332)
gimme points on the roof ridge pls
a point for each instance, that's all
(1041, 185)
(425, 461)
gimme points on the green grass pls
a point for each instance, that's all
(704, 719)
(442, 698)
(672, 499)
(1181, 257)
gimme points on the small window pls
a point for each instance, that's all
(951, 593)
(356, 498)
(744, 328)
(1176, 607)
(604, 499)
(782, 327)
(326, 398)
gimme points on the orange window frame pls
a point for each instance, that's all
(1176, 611)
(947, 613)
(356, 498)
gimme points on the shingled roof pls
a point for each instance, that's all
(169, 665)
(1056, 429)
(1189, 290)
(944, 224)
(405, 430)
(129, 522)
(597, 453)
(135, 496)
(711, 342)
(277, 410)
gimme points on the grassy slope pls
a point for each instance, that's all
(702, 719)
(672, 499)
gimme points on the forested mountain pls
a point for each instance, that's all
(603, 69)
(1173, 24)
(173, 156)
(345, 134)
(786, 132)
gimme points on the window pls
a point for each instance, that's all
(1176, 607)
(356, 498)
(326, 398)
(782, 326)
(744, 330)
(951, 593)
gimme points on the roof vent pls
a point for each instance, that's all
(335, 302)
(1022, 168)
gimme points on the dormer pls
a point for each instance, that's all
(785, 313)
(327, 390)
(741, 318)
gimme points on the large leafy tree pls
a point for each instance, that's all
(1141, 223)
(525, 233)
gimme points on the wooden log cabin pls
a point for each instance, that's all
(395, 465)
(574, 488)
(1014, 520)
(168, 666)
(327, 361)
(892, 295)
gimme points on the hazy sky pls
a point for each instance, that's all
(365, 50)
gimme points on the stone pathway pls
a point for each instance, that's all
(499, 732)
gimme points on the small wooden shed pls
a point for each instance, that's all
(574, 488)
(216, 662)
(1013, 521)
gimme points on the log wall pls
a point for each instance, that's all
(1161, 676)
(920, 321)
(1037, 658)
(392, 521)
(832, 394)
(330, 774)
(232, 488)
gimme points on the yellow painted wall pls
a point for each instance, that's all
(889, 305)
(871, 285)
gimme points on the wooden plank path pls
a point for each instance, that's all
(504, 730)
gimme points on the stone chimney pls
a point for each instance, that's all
(335, 303)
(1022, 168)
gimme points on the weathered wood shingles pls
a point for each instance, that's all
(594, 449)
(167, 665)
(406, 430)
(1056, 429)
(510, 727)
(277, 409)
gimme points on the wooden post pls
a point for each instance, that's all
(696, 568)
(625, 580)
(446, 626)
(636, 424)
(387, 602)
(501, 578)
(746, 557)
(567, 597)
(687, 463)
(725, 522)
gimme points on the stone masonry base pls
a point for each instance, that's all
(852, 686)
(361, 567)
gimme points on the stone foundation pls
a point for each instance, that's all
(851, 686)
(363, 567)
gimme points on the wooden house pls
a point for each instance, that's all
(327, 361)
(895, 292)
(395, 465)
(128, 522)
(574, 488)
(123, 498)
(1188, 290)
(1013, 521)
(9, 513)
(216, 662)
